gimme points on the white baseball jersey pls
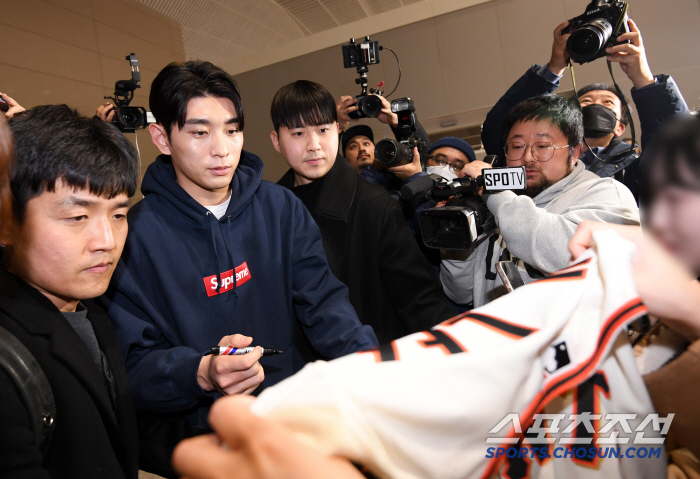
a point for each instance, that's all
(423, 406)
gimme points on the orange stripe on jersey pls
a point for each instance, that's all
(567, 276)
(632, 309)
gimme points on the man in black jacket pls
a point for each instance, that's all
(604, 118)
(368, 243)
(71, 186)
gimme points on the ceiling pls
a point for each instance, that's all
(260, 32)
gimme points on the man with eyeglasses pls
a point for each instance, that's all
(544, 135)
(604, 118)
(448, 156)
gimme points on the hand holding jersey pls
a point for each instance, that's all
(665, 285)
(391, 412)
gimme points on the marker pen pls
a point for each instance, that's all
(231, 351)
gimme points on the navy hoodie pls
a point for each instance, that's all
(186, 279)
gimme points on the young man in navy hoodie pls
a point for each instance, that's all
(216, 256)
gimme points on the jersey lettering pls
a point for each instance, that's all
(444, 341)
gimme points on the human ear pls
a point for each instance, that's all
(159, 137)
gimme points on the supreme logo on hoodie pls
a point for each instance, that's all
(211, 283)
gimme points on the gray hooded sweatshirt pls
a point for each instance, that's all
(537, 233)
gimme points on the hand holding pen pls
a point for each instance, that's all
(232, 374)
(231, 351)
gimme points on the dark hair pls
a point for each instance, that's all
(53, 142)
(302, 103)
(178, 83)
(5, 170)
(560, 112)
(672, 157)
(624, 117)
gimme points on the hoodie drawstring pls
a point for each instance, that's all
(221, 267)
(230, 251)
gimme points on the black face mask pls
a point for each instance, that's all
(598, 121)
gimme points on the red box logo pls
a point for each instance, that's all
(211, 283)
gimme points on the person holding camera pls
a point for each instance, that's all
(358, 148)
(367, 241)
(9, 106)
(544, 135)
(604, 118)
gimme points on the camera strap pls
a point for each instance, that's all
(32, 386)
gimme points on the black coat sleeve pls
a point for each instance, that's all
(409, 278)
(19, 455)
(527, 86)
(655, 103)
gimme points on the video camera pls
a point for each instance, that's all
(129, 118)
(596, 30)
(390, 152)
(360, 56)
(461, 218)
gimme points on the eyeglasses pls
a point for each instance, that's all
(442, 160)
(541, 151)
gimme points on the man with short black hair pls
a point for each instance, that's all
(542, 134)
(368, 243)
(604, 118)
(72, 180)
(216, 256)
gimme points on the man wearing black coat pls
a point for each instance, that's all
(72, 180)
(368, 243)
(604, 118)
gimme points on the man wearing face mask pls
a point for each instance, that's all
(604, 117)
(448, 156)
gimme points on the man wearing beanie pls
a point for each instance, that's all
(447, 156)
(358, 147)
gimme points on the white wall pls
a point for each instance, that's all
(73, 51)
(456, 66)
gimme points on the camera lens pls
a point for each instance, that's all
(130, 118)
(452, 226)
(389, 152)
(370, 105)
(586, 42)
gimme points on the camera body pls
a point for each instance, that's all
(461, 218)
(361, 56)
(595, 30)
(368, 106)
(388, 152)
(128, 118)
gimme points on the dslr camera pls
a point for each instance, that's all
(360, 56)
(461, 218)
(129, 118)
(388, 152)
(596, 30)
